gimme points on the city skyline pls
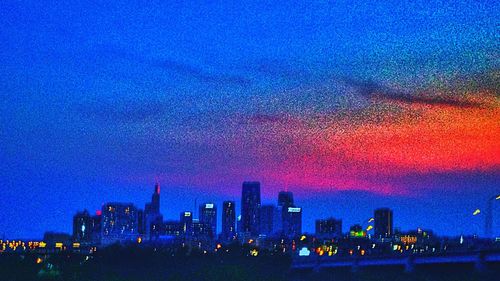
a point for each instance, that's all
(381, 219)
(351, 106)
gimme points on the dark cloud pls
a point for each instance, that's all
(370, 89)
(199, 74)
(172, 65)
(129, 112)
(265, 118)
(276, 68)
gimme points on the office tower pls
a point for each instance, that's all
(329, 228)
(267, 216)
(278, 220)
(82, 227)
(152, 212)
(140, 222)
(383, 223)
(228, 221)
(119, 223)
(96, 231)
(285, 198)
(250, 208)
(201, 230)
(208, 216)
(172, 228)
(186, 220)
(239, 227)
(291, 215)
(292, 222)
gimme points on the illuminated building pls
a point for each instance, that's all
(239, 227)
(291, 215)
(119, 223)
(357, 231)
(201, 230)
(152, 213)
(51, 239)
(292, 221)
(228, 220)
(250, 209)
(383, 223)
(96, 232)
(208, 216)
(172, 228)
(267, 217)
(83, 227)
(186, 220)
(329, 228)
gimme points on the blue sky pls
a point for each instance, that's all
(100, 98)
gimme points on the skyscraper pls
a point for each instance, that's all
(292, 223)
(96, 232)
(152, 212)
(208, 216)
(83, 226)
(383, 223)
(329, 228)
(250, 208)
(119, 223)
(186, 221)
(267, 215)
(228, 220)
(291, 215)
(285, 198)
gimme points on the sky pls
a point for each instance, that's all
(351, 105)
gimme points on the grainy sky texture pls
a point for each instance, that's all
(352, 105)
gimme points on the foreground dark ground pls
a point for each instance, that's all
(137, 264)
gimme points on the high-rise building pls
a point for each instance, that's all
(152, 212)
(383, 223)
(228, 220)
(140, 222)
(285, 199)
(172, 228)
(292, 222)
(208, 216)
(83, 227)
(96, 233)
(267, 216)
(186, 221)
(239, 227)
(329, 228)
(250, 209)
(291, 215)
(119, 223)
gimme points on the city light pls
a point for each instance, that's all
(304, 252)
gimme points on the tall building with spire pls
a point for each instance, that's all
(152, 212)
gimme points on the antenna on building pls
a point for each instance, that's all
(157, 185)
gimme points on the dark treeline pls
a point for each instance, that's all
(134, 263)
